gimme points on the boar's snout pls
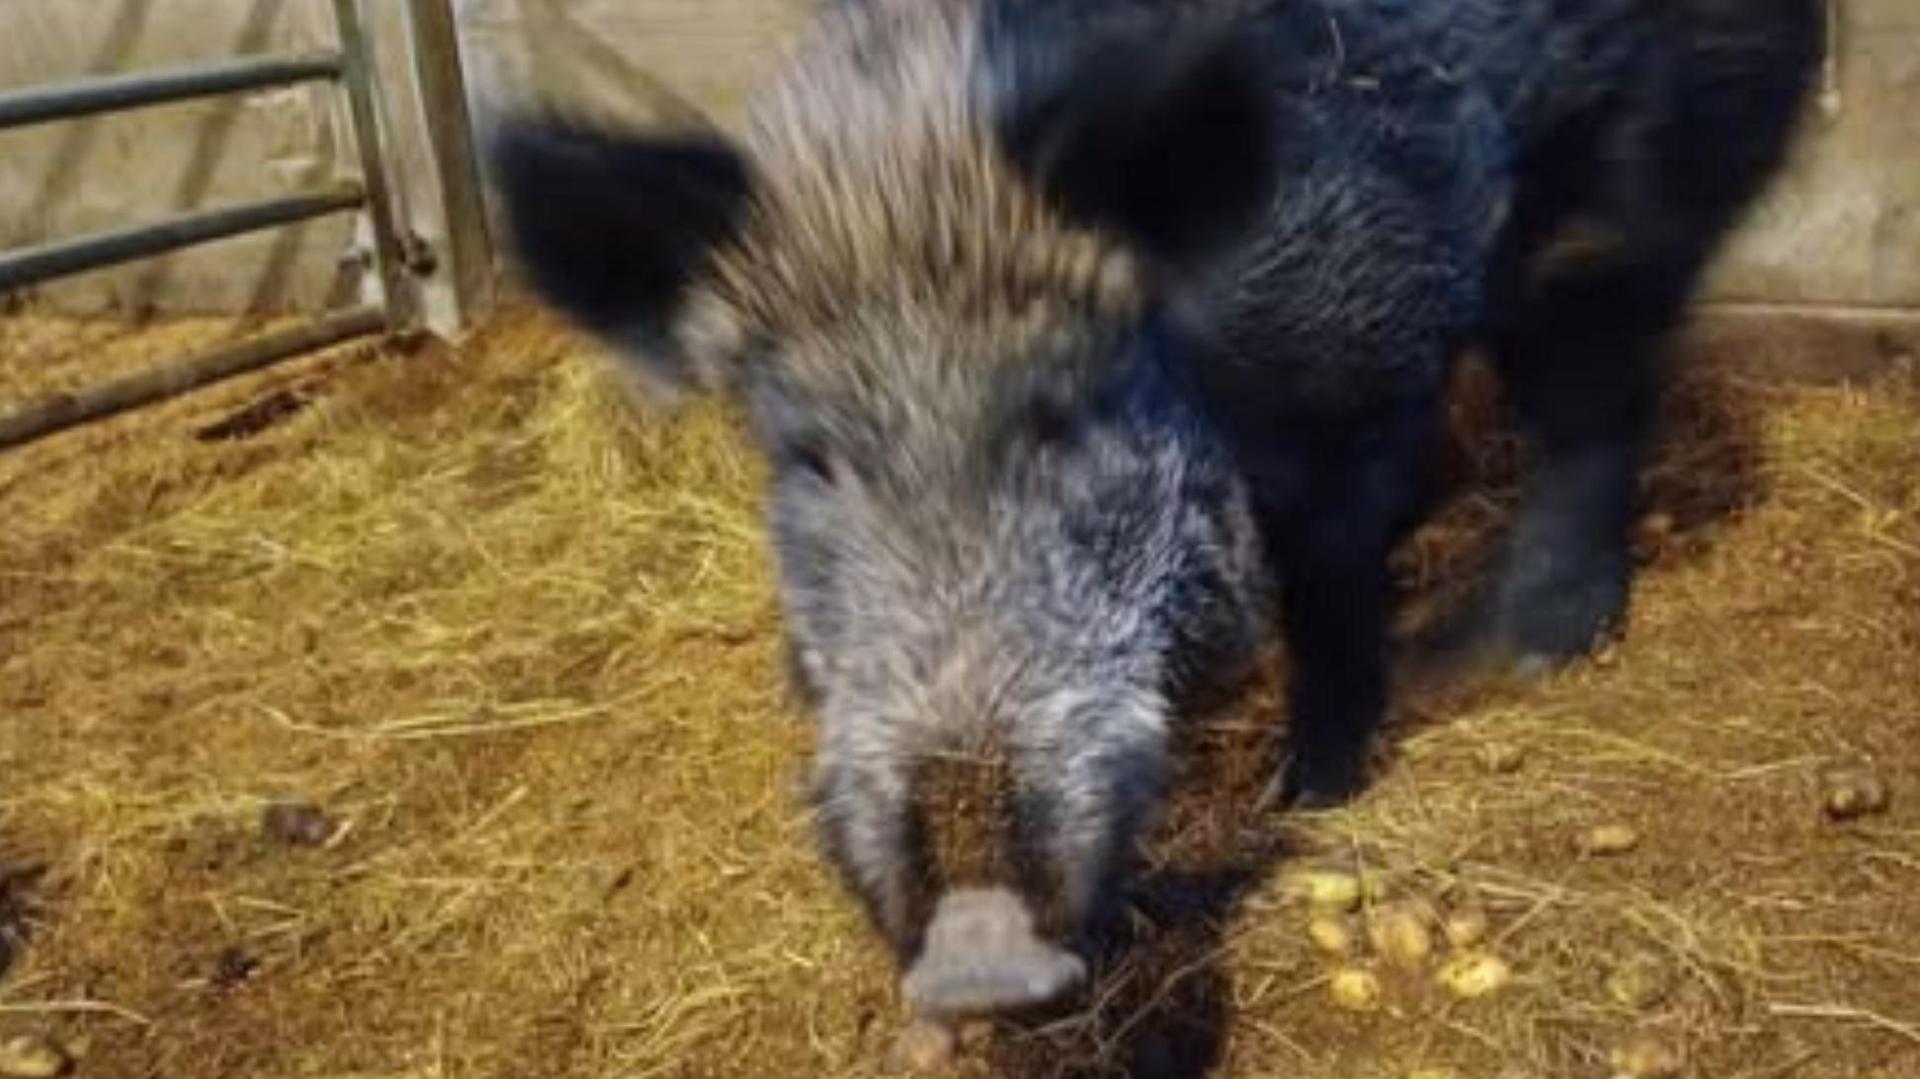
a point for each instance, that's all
(983, 955)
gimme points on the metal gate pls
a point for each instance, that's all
(351, 68)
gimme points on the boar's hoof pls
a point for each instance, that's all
(982, 955)
(1320, 782)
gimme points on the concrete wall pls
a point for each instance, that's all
(79, 176)
(1843, 229)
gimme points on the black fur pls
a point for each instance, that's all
(1020, 494)
(1434, 160)
(611, 228)
(1163, 139)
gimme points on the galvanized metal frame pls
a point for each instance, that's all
(29, 265)
(60, 411)
(108, 93)
(352, 68)
(356, 75)
(440, 81)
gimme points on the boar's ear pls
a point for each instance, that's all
(1167, 141)
(611, 228)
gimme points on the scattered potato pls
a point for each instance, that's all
(1399, 933)
(1639, 982)
(1644, 1056)
(1475, 975)
(1854, 793)
(1330, 934)
(925, 1045)
(1610, 839)
(1354, 989)
(1502, 758)
(1326, 889)
(28, 1057)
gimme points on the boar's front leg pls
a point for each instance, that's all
(1334, 620)
(1331, 549)
(1583, 358)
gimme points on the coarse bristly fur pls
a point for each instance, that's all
(1071, 328)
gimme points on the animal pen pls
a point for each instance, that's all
(351, 68)
(410, 704)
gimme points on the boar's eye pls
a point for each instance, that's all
(792, 435)
(1051, 421)
(809, 457)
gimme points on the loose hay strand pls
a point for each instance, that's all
(1909, 1031)
(76, 1007)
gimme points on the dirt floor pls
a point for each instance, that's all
(420, 714)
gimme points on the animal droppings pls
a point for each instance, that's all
(1502, 758)
(1850, 795)
(1653, 534)
(297, 824)
(1465, 925)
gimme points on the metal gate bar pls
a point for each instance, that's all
(59, 411)
(435, 37)
(352, 68)
(84, 97)
(29, 265)
(357, 75)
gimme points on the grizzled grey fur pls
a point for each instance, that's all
(1073, 329)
